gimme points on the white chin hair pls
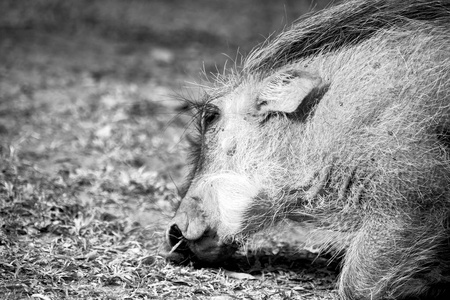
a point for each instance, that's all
(231, 194)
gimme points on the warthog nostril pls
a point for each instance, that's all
(176, 240)
(177, 250)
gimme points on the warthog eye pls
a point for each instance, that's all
(209, 115)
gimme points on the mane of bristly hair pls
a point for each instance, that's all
(343, 25)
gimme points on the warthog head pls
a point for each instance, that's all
(243, 161)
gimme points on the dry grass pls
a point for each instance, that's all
(90, 157)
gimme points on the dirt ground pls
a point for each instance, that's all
(92, 149)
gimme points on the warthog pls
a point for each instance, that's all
(341, 123)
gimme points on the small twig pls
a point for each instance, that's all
(175, 247)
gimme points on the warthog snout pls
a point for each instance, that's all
(190, 237)
(190, 220)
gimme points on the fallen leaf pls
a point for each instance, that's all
(238, 275)
(222, 297)
(43, 297)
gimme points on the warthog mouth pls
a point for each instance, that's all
(206, 250)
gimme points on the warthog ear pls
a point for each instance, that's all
(285, 91)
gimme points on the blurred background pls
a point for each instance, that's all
(74, 73)
(190, 31)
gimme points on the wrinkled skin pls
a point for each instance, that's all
(341, 124)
